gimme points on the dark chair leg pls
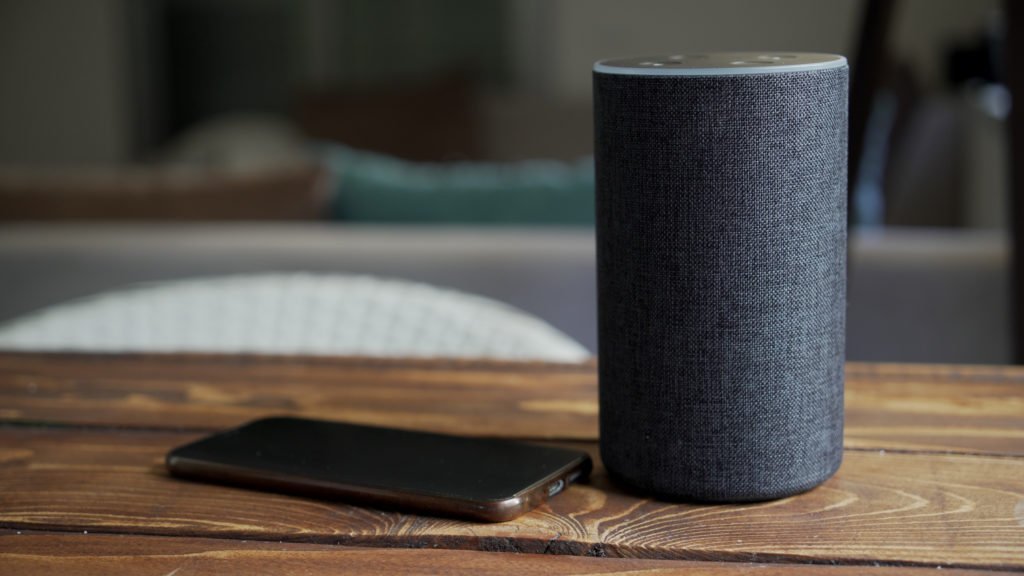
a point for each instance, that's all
(1015, 79)
(866, 76)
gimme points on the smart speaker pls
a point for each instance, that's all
(721, 251)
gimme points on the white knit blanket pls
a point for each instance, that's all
(293, 314)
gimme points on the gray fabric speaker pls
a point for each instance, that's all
(721, 247)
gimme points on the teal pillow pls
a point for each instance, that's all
(369, 187)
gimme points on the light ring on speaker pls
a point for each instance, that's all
(720, 64)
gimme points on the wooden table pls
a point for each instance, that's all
(933, 475)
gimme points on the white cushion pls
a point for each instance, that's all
(293, 314)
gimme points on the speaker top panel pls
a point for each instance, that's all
(720, 64)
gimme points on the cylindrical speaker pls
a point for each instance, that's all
(721, 248)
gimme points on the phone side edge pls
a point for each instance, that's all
(539, 492)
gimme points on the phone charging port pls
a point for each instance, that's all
(556, 487)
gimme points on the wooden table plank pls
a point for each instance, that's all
(209, 392)
(30, 553)
(910, 509)
(968, 409)
(946, 408)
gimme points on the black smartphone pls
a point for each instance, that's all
(482, 479)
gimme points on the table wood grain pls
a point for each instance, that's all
(933, 473)
(111, 555)
(893, 407)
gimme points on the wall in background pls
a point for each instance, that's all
(924, 30)
(556, 41)
(64, 78)
(368, 43)
(226, 56)
(74, 90)
(575, 33)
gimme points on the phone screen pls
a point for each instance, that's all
(422, 471)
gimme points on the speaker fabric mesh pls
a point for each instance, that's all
(721, 245)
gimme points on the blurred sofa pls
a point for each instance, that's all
(915, 294)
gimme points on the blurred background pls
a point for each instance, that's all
(448, 142)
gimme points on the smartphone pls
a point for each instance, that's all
(481, 479)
